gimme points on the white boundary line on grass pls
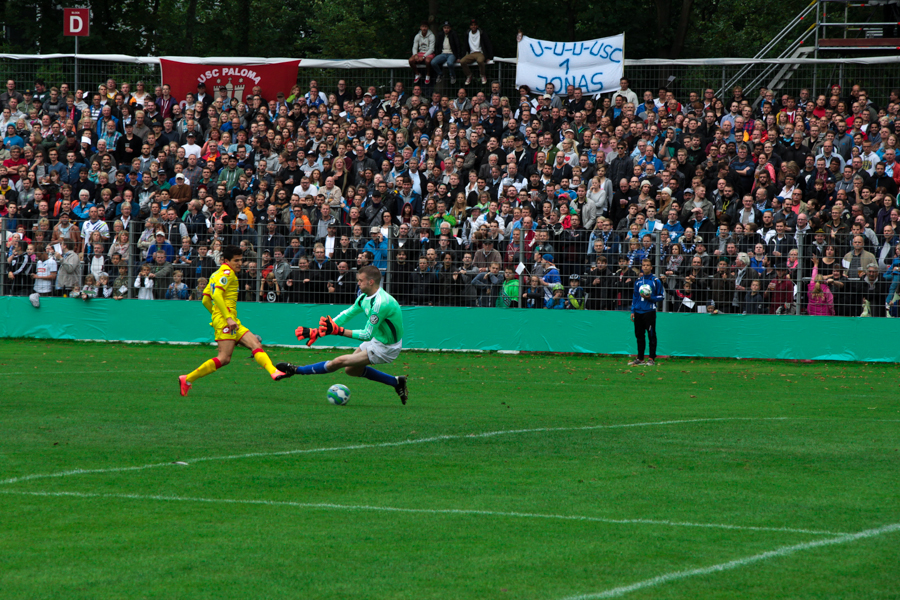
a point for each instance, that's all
(438, 438)
(429, 511)
(740, 562)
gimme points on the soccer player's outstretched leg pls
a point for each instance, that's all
(382, 338)
(220, 299)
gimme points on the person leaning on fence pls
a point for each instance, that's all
(19, 270)
(869, 292)
(489, 284)
(779, 292)
(575, 295)
(820, 301)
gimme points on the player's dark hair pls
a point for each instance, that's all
(372, 273)
(229, 252)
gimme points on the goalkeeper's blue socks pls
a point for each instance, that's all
(375, 375)
(313, 369)
(370, 373)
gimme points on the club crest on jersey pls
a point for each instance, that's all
(223, 280)
(374, 319)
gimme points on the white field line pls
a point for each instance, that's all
(427, 511)
(438, 438)
(735, 564)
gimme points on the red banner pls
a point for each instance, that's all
(239, 80)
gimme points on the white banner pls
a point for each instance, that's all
(595, 65)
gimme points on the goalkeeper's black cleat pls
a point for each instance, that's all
(402, 390)
(287, 368)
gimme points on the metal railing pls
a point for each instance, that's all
(688, 76)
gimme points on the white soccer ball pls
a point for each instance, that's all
(338, 394)
(645, 290)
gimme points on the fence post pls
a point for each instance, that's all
(3, 265)
(801, 238)
(724, 91)
(392, 78)
(258, 262)
(133, 247)
(522, 275)
(387, 269)
(657, 268)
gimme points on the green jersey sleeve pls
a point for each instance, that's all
(351, 312)
(384, 320)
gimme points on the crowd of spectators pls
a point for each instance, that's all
(765, 203)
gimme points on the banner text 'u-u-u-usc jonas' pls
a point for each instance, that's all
(595, 66)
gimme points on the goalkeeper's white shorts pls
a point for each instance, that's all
(379, 353)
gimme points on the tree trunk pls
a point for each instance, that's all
(190, 17)
(663, 8)
(681, 30)
(149, 44)
(571, 18)
(243, 31)
(432, 17)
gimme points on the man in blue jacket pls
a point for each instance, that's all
(643, 312)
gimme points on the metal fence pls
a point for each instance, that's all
(788, 77)
(477, 264)
(571, 269)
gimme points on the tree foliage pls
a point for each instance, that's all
(384, 28)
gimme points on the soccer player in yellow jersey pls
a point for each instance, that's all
(220, 299)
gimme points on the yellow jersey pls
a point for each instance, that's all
(225, 282)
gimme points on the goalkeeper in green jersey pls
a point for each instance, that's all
(382, 338)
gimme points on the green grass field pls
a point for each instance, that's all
(520, 477)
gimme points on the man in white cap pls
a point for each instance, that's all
(181, 193)
(191, 147)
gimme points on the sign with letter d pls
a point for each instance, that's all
(594, 65)
(76, 22)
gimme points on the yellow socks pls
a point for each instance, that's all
(203, 370)
(210, 366)
(263, 360)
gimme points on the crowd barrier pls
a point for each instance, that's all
(480, 329)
